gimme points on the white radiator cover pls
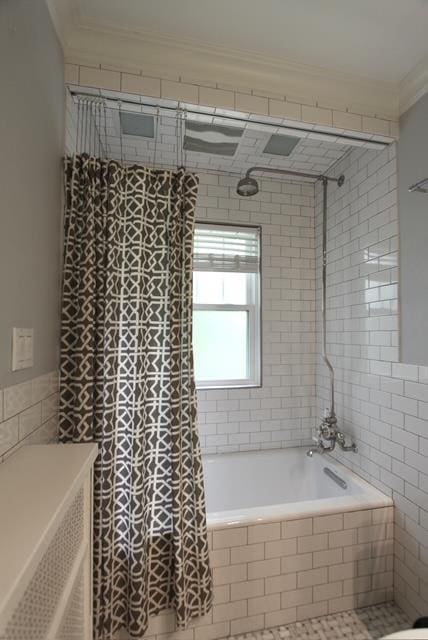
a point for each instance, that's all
(46, 543)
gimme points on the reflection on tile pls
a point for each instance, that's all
(44, 386)
(8, 434)
(29, 420)
(16, 399)
(50, 406)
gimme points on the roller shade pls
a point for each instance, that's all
(222, 248)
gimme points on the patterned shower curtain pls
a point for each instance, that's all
(127, 384)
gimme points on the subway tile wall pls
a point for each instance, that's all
(280, 413)
(28, 413)
(196, 91)
(381, 403)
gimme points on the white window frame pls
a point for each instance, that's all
(253, 309)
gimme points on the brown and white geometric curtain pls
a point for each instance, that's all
(127, 384)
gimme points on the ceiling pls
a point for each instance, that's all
(378, 39)
(314, 153)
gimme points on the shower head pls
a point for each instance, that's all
(247, 187)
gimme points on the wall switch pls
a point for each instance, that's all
(22, 348)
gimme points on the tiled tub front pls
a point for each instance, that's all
(278, 572)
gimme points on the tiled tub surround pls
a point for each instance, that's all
(28, 413)
(282, 412)
(275, 573)
(381, 402)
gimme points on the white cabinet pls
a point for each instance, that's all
(46, 543)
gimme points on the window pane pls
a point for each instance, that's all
(220, 345)
(220, 287)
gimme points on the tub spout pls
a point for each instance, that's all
(320, 448)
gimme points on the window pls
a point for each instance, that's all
(226, 296)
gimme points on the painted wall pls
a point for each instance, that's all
(31, 134)
(381, 402)
(413, 211)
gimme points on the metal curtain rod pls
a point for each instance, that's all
(227, 118)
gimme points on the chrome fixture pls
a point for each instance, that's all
(327, 431)
(328, 434)
(419, 187)
(249, 186)
(337, 479)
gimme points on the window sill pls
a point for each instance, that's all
(228, 386)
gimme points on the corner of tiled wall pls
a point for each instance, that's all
(381, 403)
(28, 413)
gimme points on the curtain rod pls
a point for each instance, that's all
(120, 101)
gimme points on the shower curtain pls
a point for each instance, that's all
(127, 384)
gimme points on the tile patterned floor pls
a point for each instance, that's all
(370, 623)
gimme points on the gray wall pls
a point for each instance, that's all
(413, 215)
(31, 147)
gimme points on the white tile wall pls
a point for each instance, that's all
(281, 413)
(380, 402)
(254, 590)
(28, 413)
(345, 118)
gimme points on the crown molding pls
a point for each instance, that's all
(413, 86)
(165, 55)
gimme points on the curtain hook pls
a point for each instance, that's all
(78, 125)
(120, 131)
(156, 136)
(105, 128)
(183, 133)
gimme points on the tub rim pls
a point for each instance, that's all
(369, 498)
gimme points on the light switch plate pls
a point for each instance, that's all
(22, 348)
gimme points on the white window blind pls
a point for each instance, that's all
(222, 248)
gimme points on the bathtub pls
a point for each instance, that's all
(288, 543)
(260, 486)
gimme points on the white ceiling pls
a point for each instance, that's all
(378, 39)
(315, 153)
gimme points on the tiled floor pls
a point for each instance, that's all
(370, 623)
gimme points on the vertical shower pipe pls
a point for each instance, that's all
(324, 299)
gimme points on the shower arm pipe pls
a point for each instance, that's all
(324, 294)
(324, 179)
(298, 174)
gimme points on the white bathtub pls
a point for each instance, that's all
(270, 485)
(288, 544)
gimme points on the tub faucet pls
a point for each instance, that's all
(328, 436)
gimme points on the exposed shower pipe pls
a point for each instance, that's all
(300, 174)
(248, 186)
(328, 430)
(324, 293)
